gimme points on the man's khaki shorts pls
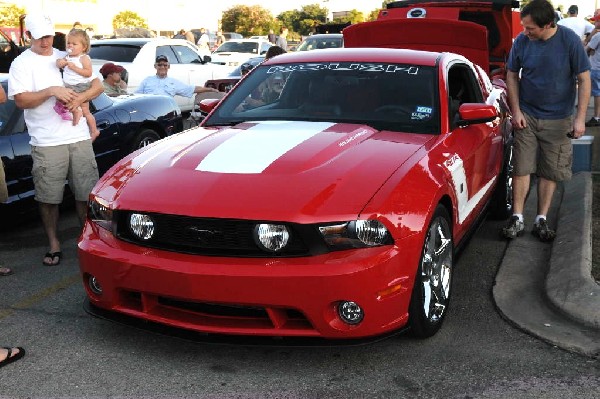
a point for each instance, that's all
(52, 166)
(544, 148)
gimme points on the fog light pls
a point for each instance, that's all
(350, 312)
(94, 285)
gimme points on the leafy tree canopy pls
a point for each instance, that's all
(353, 16)
(128, 19)
(247, 20)
(10, 16)
(304, 20)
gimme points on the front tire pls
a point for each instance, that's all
(431, 291)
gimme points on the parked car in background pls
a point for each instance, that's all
(236, 51)
(259, 38)
(232, 35)
(126, 123)
(227, 83)
(188, 63)
(322, 41)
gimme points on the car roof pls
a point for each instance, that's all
(247, 40)
(325, 36)
(370, 55)
(138, 41)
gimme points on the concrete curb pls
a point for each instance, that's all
(569, 284)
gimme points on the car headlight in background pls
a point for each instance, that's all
(99, 212)
(356, 234)
(271, 237)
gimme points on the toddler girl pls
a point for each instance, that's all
(77, 75)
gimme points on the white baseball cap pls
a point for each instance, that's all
(39, 25)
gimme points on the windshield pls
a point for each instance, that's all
(238, 47)
(315, 43)
(385, 96)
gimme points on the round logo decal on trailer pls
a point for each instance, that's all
(416, 13)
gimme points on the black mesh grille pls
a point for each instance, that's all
(218, 237)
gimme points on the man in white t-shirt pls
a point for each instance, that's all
(577, 24)
(203, 41)
(60, 151)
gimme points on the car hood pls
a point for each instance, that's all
(276, 170)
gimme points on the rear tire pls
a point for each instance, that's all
(431, 290)
(144, 138)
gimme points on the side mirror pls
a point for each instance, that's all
(474, 113)
(206, 59)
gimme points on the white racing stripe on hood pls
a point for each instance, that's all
(254, 149)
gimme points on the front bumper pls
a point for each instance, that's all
(287, 297)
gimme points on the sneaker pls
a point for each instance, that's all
(542, 231)
(593, 122)
(514, 229)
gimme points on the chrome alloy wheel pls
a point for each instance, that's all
(436, 269)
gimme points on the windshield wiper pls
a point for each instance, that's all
(228, 123)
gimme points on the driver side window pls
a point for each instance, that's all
(186, 55)
(461, 84)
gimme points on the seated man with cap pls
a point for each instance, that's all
(163, 84)
(113, 84)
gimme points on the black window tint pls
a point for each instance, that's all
(114, 52)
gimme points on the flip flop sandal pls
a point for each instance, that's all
(52, 255)
(5, 271)
(9, 359)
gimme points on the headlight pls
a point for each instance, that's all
(271, 237)
(141, 225)
(356, 234)
(100, 213)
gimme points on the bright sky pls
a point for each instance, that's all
(189, 14)
(213, 14)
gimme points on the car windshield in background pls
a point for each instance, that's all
(114, 52)
(384, 96)
(238, 47)
(320, 43)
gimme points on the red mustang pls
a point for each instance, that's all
(325, 196)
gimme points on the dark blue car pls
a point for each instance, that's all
(125, 123)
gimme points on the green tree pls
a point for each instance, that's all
(375, 13)
(247, 20)
(10, 16)
(128, 19)
(353, 16)
(303, 21)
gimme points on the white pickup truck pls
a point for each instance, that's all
(137, 56)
